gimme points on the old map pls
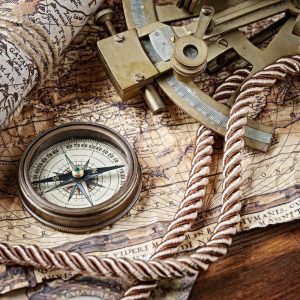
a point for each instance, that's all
(79, 90)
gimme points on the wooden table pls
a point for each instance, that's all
(261, 264)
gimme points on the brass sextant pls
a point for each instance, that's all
(153, 52)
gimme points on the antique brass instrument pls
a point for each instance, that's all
(153, 52)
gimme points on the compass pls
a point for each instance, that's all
(79, 177)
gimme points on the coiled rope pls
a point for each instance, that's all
(168, 268)
(200, 163)
(33, 40)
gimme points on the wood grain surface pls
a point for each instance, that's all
(261, 264)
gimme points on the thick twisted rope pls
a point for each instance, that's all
(35, 42)
(194, 195)
(170, 243)
(188, 210)
(226, 226)
(175, 234)
(231, 85)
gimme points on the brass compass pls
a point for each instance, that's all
(79, 177)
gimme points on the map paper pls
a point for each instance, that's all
(79, 90)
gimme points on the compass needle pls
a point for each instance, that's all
(86, 164)
(85, 191)
(84, 176)
(70, 161)
(57, 177)
(74, 188)
(97, 171)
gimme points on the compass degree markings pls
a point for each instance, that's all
(88, 174)
(61, 158)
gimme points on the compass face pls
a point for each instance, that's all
(78, 173)
(79, 177)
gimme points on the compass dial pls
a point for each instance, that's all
(78, 173)
(79, 177)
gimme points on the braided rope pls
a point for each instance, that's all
(231, 85)
(188, 210)
(193, 200)
(170, 242)
(221, 238)
(227, 89)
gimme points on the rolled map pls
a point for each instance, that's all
(32, 34)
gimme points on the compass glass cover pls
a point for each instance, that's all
(79, 173)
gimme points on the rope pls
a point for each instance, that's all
(231, 85)
(205, 140)
(168, 268)
(188, 210)
(35, 42)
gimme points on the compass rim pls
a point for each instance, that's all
(88, 217)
